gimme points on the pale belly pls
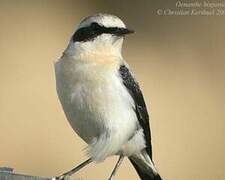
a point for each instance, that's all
(96, 104)
(99, 109)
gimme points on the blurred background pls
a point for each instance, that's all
(178, 60)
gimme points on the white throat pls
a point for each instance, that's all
(103, 45)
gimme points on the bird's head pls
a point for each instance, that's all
(101, 33)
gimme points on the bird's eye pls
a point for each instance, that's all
(90, 32)
(95, 26)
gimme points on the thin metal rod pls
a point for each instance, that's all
(119, 162)
(74, 170)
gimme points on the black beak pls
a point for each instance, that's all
(120, 31)
(124, 31)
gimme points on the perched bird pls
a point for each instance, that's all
(101, 98)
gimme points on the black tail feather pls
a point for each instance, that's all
(142, 174)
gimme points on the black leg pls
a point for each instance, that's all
(119, 162)
(74, 170)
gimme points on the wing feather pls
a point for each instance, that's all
(140, 107)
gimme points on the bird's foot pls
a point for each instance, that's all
(110, 178)
(62, 177)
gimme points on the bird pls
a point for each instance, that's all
(101, 98)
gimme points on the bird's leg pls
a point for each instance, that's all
(119, 162)
(67, 174)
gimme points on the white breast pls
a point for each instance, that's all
(97, 105)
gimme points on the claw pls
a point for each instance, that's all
(63, 177)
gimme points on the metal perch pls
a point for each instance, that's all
(7, 174)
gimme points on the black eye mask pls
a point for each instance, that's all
(94, 30)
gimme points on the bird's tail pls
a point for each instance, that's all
(144, 166)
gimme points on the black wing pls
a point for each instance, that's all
(140, 107)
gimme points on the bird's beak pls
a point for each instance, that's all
(122, 31)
